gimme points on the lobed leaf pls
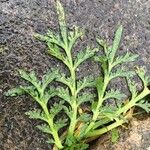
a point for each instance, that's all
(85, 97)
(44, 128)
(31, 77)
(116, 43)
(56, 108)
(63, 79)
(114, 94)
(60, 123)
(64, 94)
(85, 82)
(142, 74)
(144, 105)
(121, 72)
(36, 114)
(14, 92)
(48, 78)
(128, 57)
(84, 55)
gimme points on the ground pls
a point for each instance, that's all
(20, 19)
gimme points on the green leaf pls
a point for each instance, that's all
(74, 35)
(116, 43)
(60, 123)
(114, 135)
(64, 94)
(44, 128)
(84, 83)
(14, 92)
(122, 72)
(68, 111)
(142, 74)
(109, 112)
(62, 22)
(56, 108)
(103, 62)
(101, 122)
(85, 97)
(31, 77)
(144, 105)
(103, 43)
(49, 94)
(114, 94)
(36, 114)
(63, 79)
(94, 106)
(128, 57)
(132, 87)
(84, 55)
(48, 78)
(84, 117)
(50, 141)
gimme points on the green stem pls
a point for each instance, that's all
(105, 129)
(73, 93)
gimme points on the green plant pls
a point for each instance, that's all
(79, 125)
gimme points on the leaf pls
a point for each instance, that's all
(31, 90)
(55, 50)
(50, 141)
(85, 97)
(101, 122)
(114, 94)
(116, 43)
(14, 92)
(84, 117)
(36, 114)
(114, 135)
(109, 112)
(132, 87)
(94, 106)
(121, 72)
(68, 111)
(103, 43)
(49, 94)
(62, 22)
(67, 81)
(83, 55)
(56, 108)
(60, 123)
(142, 74)
(31, 77)
(48, 78)
(74, 35)
(85, 82)
(128, 57)
(144, 105)
(103, 62)
(44, 128)
(64, 94)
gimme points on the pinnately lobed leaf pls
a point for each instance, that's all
(80, 115)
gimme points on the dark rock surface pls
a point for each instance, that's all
(20, 19)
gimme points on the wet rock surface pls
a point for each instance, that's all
(20, 19)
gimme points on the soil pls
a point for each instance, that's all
(20, 19)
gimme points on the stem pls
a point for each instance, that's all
(105, 129)
(51, 125)
(73, 92)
